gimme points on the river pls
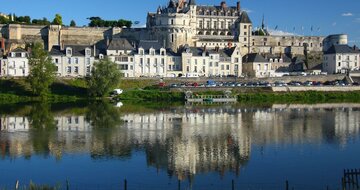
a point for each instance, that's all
(99, 145)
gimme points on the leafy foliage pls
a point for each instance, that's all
(72, 23)
(43, 21)
(42, 72)
(98, 22)
(57, 20)
(104, 77)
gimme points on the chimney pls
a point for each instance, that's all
(229, 45)
(62, 45)
(94, 50)
(238, 6)
(223, 4)
(107, 42)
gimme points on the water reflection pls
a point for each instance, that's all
(183, 141)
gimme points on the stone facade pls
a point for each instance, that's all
(16, 64)
(341, 59)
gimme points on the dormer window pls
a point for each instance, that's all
(88, 52)
(162, 51)
(101, 56)
(141, 51)
(152, 51)
(68, 52)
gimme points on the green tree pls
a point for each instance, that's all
(72, 23)
(104, 77)
(57, 20)
(42, 72)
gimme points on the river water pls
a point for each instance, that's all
(99, 145)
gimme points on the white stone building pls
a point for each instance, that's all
(341, 59)
(255, 65)
(16, 64)
(121, 52)
(215, 62)
(74, 60)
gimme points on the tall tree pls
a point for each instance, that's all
(57, 20)
(104, 77)
(72, 23)
(42, 71)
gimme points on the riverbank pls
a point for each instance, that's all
(17, 90)
(253, 96)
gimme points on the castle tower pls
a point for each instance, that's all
(172, 25)
(244, 32)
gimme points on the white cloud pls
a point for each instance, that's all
(280, 33)
(347, 14)
(334, 24)
(247, 10)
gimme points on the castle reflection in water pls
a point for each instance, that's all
(184, 140)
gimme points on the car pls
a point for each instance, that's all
(116, 92)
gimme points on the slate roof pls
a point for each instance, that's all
(198, 51)
(285, 57)
(18, 50)
(254, 58)
(192, 2)
(147, 44)
(341, 49)
(120, 44)
(77, 50)
(244, 18)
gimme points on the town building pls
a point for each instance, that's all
(255, 65)
(341, 59)
(16, 64)
(74, 60)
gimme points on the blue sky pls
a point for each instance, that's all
(329, 16)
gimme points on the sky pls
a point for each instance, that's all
(323, 16)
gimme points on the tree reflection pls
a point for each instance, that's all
(43, 127)
(109, 140)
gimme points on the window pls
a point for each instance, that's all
(222, 67)
(76, 70)
(200, 24)
(68, 52)
(339, 56)
(245, 26)
(56, 60)
(69, 60)
(131, 67)
(207, 24)
(227, 67)
(172, 22)
(258, 67)
(123, 67)
(210, 64)
(170, 68)
(88, 69)
(195, 69)
(162, 61)
(76, 120)
(279, 44)
(266, 67)
(236, 60)
(148, 60)
(245, 39)
(88, 61)
(245, 33)
(215, 25)
(76, 60)
(172, 38)
(68, 70)
(88, 52)
(141, 61)
(229, 25)
(339, 64)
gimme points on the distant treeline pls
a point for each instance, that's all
(98, 22)
(94, 21)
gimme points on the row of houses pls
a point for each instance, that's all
(151, 59)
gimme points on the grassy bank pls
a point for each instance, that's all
(250, 97)
(18, 90)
